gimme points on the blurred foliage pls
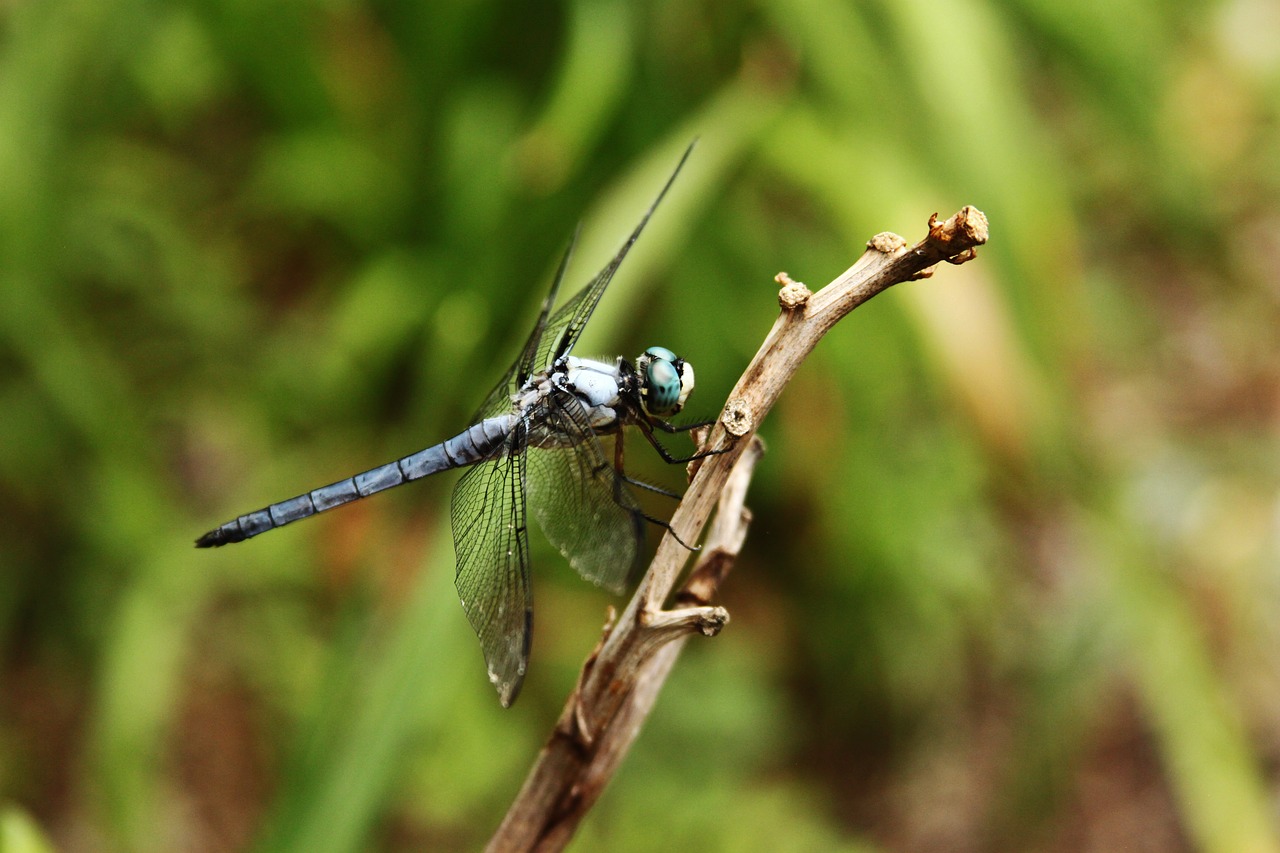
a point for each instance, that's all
(1014, 579)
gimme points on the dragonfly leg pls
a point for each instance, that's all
(667, 426)
(647, 429)
(672, 531)
(622, 477)
(650, 487)
(640, 484)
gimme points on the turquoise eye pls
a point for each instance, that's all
(662, 382)
(662, 353)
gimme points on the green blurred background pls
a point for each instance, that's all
(1014, 577)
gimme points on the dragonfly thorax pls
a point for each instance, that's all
(598, 387)
(666, 381)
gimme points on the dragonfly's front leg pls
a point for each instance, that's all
(646, 427)
(667, 426)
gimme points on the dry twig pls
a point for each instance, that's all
(621, 680)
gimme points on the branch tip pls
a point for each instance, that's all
(667, 625)
(961, 233)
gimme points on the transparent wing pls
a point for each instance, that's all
(499, 399)
(580, 502)
(555, 334)
(492, 546)
(565, 326)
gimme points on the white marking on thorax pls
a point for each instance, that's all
(596, 384)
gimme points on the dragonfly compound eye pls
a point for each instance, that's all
(668, 380)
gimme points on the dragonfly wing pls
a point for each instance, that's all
(566, 324)
(582, 505)
(492, 545)
(499, 399)
(554, 334)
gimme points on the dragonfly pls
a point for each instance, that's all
(535, 443)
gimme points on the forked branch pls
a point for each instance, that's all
(621, 680)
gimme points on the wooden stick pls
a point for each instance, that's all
(621, 679)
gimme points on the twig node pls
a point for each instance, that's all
(737, 418)
(793, 294)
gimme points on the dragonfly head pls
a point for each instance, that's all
(666, 381)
